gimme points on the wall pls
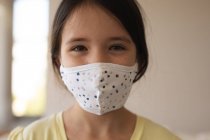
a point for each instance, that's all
(57, 98)
(5, 61)
(175, 90)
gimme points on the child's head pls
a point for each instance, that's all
(127, 16)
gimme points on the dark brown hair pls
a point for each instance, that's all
(126, 11)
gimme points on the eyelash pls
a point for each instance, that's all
(114, 47)
(117, 47)
(79, 48)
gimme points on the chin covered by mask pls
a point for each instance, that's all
(99, 87)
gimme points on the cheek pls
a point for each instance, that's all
(129, 59)
(69, 60)
(132, 56)
(64, 58)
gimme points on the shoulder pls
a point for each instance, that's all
(46, 128)
(154, 131)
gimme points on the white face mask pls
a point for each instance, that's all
(99, 87)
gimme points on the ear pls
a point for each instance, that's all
(57, 62)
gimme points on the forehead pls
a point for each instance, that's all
(86, 11)
(93, 17)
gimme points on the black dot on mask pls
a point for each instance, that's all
(116, 91)
(108, 76)
(104, 86)
(105, 71)
(117, 75)
(113, 106)
(78, 74)
(77, 80)
(95, 96)
(113, 86)
(97, 105)
(87, 98)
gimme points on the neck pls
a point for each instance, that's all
(91, 123)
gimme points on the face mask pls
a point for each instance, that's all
(99, 87)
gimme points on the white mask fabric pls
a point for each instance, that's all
(99, 87)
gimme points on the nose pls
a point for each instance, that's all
(98, 56)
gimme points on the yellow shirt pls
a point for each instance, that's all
(52, 128)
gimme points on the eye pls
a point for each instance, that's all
(117, 47)
(79, 48)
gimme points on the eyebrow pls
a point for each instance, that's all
(120, 38)
(114, 38)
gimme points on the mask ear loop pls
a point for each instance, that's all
(137, 68)
(61, 70)
(61, 65)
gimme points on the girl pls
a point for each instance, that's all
(98, 49)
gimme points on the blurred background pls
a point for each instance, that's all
(174, 92)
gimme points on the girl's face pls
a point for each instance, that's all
(91, 35)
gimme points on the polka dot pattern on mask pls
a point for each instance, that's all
(101, 87)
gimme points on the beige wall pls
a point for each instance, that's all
(176, 88)
(5, 61)
(57, 98)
